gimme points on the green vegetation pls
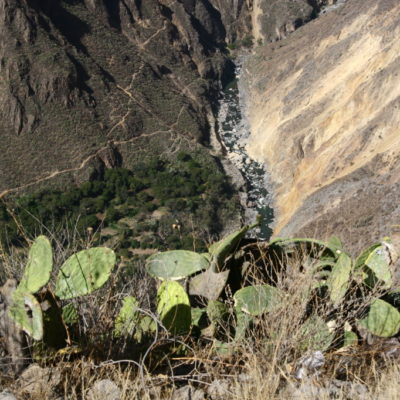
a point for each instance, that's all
(279, 301)
(336, 284)
(80, 275)
(159, 204)
(248, 41)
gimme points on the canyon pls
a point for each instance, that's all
(323, 109)
(89, 85)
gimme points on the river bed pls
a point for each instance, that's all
(234, 133)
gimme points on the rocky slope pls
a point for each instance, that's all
(324, 113)
(93, 84)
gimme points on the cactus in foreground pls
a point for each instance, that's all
(25, 309)
(350, 338)
(382, 319)
(220, 250)
(252, 301)
(339, 278)
(173, 307)
(130, 322)
(375, 262)
(176, 264)
(26, 312)
(256, 300)
(127, 318)
(70, 314)
(331, 246)
(84, 272)
(315, 334)
(38, 269)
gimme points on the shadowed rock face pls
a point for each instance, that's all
(93, 84)
(324, 114)
(96, 83)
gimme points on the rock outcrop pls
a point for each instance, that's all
(324, 115)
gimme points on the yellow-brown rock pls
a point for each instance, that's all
(324, 107)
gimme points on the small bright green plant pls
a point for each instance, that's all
(173, 307)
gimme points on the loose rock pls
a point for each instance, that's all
(104, 390)
(218, 390)
(39, 383)
(188, 393)
(7, 396)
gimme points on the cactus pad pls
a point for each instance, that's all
(127, 318)
(220, 250)
(84, 272)
(27, 314)
(256, 300)
(382, 320)
(173, 307)
(339, 278)
(38, 269)
(176, 264)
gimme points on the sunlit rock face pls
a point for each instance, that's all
(324, 113)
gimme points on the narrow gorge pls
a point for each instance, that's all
(234, 132)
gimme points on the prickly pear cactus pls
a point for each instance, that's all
(350, 338)
(84, 272)
(315, 334)
(339, 278)
(220, 250)
(27, 314)
(317, 244)
(176, 264)
(375, 262)
(252, 301)
(128, 317)
(217, 312)
(38, 269)
(335, 243)
(173, 307)
(218, 315)
(70, 314)
(382, 319)
(256, 300)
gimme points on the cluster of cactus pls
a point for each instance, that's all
(186, 275)
(81, 274)
(228, 301)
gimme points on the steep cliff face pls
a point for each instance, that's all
(96, 83)
(324, 114)
(274, 20)
(236, 17)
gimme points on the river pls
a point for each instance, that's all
(234, 132)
